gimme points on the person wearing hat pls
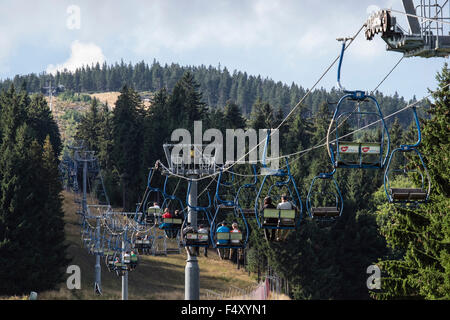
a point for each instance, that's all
(222, 251)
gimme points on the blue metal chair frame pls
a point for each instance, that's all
(236, 210)
(337, 194)
(295, 196)
(171, 197)
(408, 148)
(357, 95)
(150, 190)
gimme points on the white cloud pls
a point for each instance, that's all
(286, 40)
(81, 54)
(372, 8)
(283, 27)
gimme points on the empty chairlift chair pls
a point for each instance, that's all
(406, 178)
(365, 148)
(326, 204)
(247, 192)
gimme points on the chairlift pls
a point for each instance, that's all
(407, 181)
(359, 151)
(150, 215)
(324, 205)
(172, 225)
(228, 208)
(271, 217)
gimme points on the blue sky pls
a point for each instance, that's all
(285, 40)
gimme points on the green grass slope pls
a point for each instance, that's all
(155, 278)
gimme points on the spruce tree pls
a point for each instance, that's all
(262, 116)
(31, 232)
(41, 121)
(128, 142)
(233, 118)
(52, 245)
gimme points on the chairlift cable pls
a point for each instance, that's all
(283, 121)
(323, 144)
(421, 17)
(370, 124)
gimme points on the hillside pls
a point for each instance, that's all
(67, 115)
(218, 85)
(111, 98)
(156, 278)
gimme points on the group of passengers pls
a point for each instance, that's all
(277, 234)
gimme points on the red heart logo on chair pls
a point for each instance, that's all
(365, 149)
(343, 149)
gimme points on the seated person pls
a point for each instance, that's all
(170, 231)
(153, 211)
(223, 228)
(147, 244)
(269, 205)
(178, 215)
(167, 214)
(133, 259)
(222, 251)
(154, 206)
(285, 204)
(188, 229)
(202, 229)
(270, 235)
(235, 228)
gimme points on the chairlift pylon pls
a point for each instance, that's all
(428, 33)
(193, 235)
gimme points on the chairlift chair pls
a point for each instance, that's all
(150, 216)
(278, 218)
(357, 153)
(225, 208)
(410, 194)
(332, 202)
(172, 226)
